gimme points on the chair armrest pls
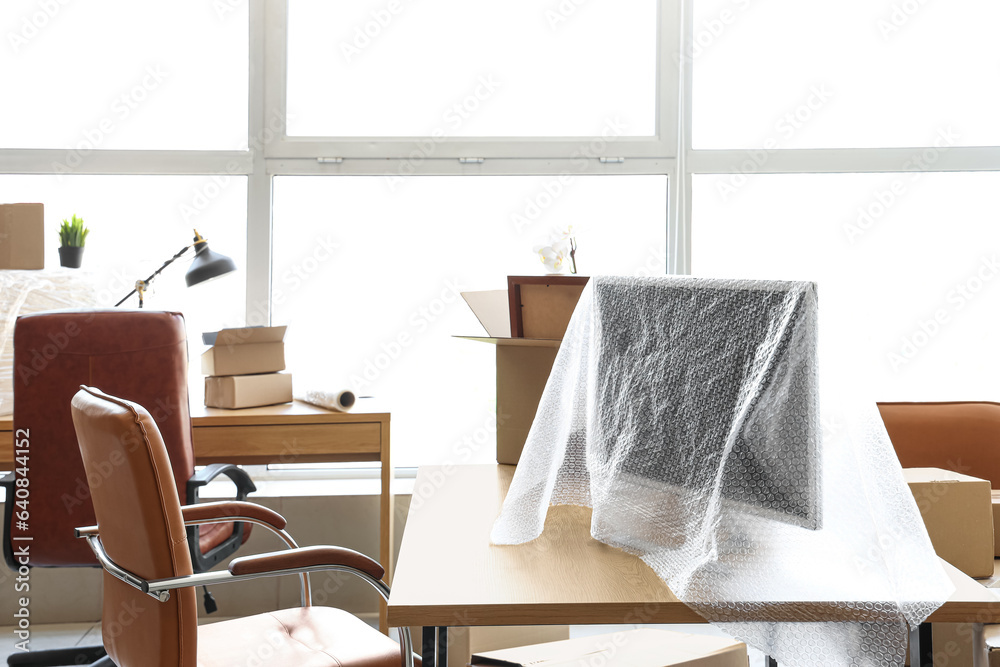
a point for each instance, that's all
(208, 512)
(244, 485)
(7, 483)
(87, 531)
(306, 557)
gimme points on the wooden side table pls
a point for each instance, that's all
(289, 433)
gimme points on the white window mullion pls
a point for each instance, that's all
(264, 124)
(145, 162)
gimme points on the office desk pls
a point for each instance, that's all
(448, 574)
(290, 433)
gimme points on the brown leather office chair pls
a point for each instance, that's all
(141, 355)
(962, 436)
(149, 617)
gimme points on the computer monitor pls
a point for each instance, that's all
(693, 371)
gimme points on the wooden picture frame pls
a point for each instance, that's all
(542, 305)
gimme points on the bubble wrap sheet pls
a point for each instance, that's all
(24, 292)
(692, 416)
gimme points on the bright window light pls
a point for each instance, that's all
(369, 278)
(855, 73)
(492, 68)
(114, 74)
(907, 267)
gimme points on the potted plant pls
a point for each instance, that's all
(72, 237)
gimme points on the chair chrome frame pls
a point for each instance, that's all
(160, 588)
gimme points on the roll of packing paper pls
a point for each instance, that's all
(341, 401)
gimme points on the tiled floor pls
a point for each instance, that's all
(83, 634)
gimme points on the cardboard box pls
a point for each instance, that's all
(523, 364)
(463, 642)
(633, 648)
(996, 523)
(246, 351)
(248, 391)
(22, 236)
(957, 510)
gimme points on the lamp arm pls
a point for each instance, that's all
(156, 273)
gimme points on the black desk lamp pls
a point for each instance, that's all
(207, 264)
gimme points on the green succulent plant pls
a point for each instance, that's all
(73, 233)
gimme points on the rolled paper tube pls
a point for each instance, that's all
(341, 401)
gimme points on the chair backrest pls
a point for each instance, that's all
(963, 436)
(139, 355)
(142, 530)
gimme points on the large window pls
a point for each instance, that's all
(115, 74)
(366, 161)
(369, 281)
(500, 68)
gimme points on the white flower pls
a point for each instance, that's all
(554, 257)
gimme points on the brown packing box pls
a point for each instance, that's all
(633, 648)
(248, 391)
(245, 351)
(463, 642)
(957, 511)
(996, 523)
(523, 364)
(22, 236)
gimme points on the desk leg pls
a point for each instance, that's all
(428, 646)
(980, 652)
(434, 652)
(921, 646)
(386, 533)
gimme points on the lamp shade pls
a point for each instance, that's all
(207, 264)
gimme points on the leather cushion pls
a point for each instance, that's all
(962, 436)
(304, 637)
(138, 355)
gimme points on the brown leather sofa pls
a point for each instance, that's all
(962, 436)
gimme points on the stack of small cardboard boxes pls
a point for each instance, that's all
(243, 368)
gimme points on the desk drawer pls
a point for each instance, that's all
(288, 443)
(6, 450)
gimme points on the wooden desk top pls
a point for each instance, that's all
(449, 574)
(296, 412)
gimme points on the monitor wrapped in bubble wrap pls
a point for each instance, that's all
(695, 418)
(24, 292)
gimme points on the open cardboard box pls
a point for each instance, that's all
(541, 306)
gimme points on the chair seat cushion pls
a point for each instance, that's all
(303, 637)
(211, 535)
